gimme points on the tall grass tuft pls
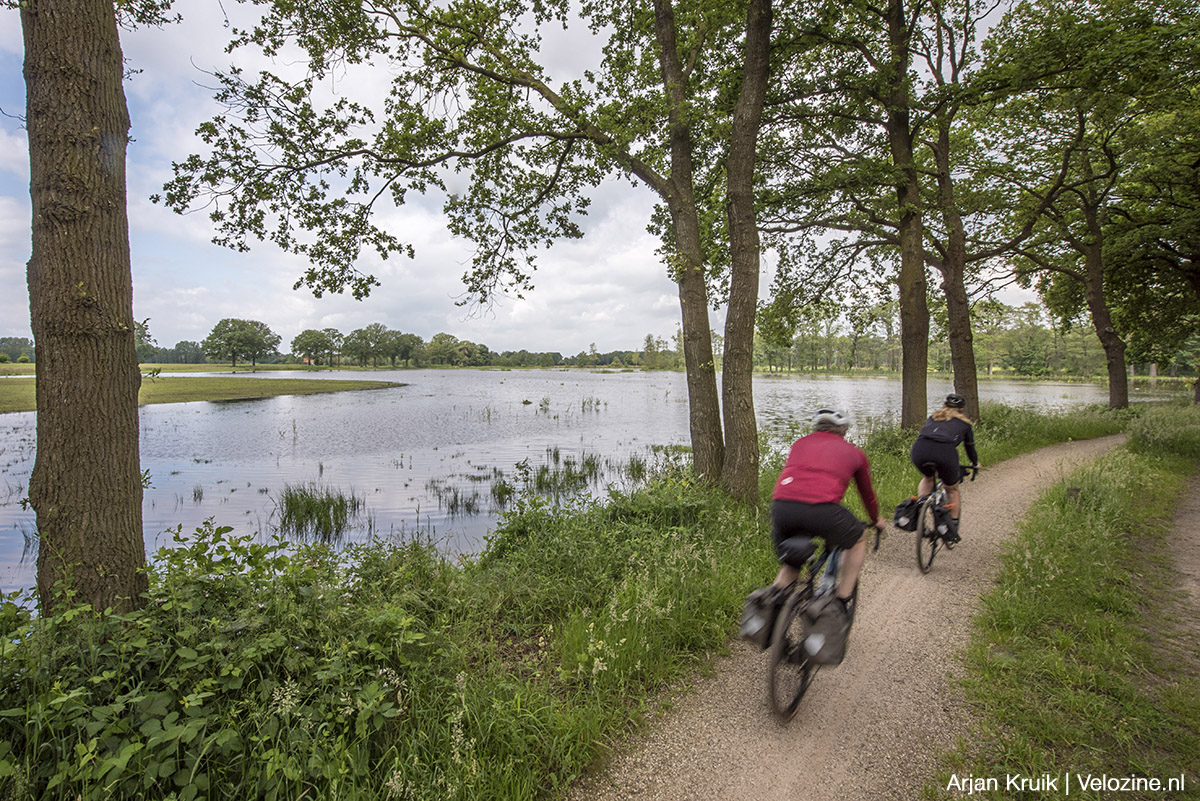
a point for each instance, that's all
(1167, 429)
(313, 511)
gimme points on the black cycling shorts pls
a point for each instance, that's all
(943, 455)
(831, 522)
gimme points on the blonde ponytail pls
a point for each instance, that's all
(945, 413)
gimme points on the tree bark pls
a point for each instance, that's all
(914, 309)
(704, 412)
(86, 485)
(953, 269)
(1110, 340)
(740, 471)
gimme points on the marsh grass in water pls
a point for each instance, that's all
(453, 499)
(309, 511)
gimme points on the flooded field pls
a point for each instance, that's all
(442, 455)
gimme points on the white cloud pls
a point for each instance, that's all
(14, 154)
(10, 32)
(608, 288)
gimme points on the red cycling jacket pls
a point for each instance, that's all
(819, 468)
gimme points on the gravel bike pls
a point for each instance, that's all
(790, 670)
(933, 528)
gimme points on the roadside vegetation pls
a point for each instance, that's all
(17, 394)
(264, 670)
(1079, 664)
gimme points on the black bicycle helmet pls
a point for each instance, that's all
(955, 401)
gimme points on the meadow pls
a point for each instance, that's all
(17, 394)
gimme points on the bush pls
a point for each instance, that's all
(250, 673)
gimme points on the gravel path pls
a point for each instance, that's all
(871, 728)
(1184, 542)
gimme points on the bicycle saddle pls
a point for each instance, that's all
(795, 551)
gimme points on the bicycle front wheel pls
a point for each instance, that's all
(928, 540)
(790, 671)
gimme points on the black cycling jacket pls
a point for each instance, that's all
(951, 432)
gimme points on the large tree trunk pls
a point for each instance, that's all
(704, 411)
(1114, 346)
(953, 269)
(740, 474)
(86, 486)
(914, 309)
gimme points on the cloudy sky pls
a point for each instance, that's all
(608, 288)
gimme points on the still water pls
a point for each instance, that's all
(429, 456)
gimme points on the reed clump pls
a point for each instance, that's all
(314, 511)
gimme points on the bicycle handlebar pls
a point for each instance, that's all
(970, 467)
(878, 532)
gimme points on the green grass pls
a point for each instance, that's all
(17, 394)
(311, 511)
(1077, 664)
(391, 671)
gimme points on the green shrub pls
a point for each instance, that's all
(250, 673)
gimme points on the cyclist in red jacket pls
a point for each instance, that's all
(808, 495)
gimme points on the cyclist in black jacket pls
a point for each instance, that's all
(937, 443)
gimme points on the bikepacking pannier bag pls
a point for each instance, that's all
(826, 626)
(758, 615)
(906, 514)
(943, 522)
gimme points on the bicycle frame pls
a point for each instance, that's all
(791, 670)
(929, 540)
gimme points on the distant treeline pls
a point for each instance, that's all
(233, 341)
(16, 349)
(1009, 340)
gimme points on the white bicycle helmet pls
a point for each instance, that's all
(831, 417)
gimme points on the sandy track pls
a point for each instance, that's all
(1184, 543)
(873, 727)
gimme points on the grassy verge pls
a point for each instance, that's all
(391, 672)
(17, 394)
(1077, 667)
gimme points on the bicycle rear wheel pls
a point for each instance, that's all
(928, 540)
(790, 671)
